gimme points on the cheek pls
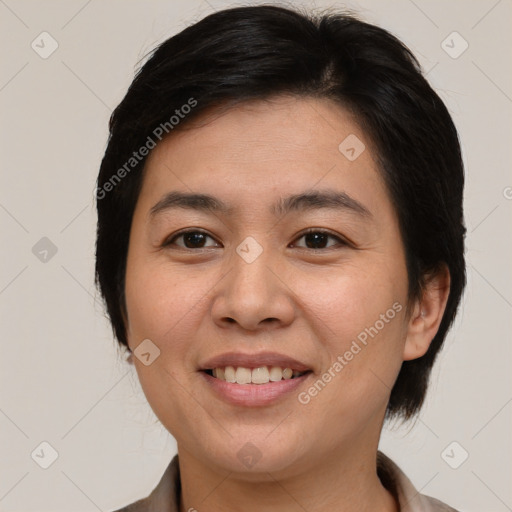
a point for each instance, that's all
(358, 313)
(165, 306)
(160, 300)
(350, 298)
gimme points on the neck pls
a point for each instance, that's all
(345, 482)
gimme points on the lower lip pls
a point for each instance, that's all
(253, 395)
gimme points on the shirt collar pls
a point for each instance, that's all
(409, 499)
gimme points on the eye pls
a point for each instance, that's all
(318, 239)
(191, 239)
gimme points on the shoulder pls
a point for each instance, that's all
(409, 499)
(164, 497)
(438, 506)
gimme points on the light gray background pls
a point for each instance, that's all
(62, 378)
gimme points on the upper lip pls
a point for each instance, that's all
(236, 359)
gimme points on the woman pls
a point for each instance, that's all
(280, 247)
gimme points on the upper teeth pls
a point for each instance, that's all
(261, 375)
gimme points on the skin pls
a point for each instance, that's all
(310, 304)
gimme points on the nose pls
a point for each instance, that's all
(253, 295)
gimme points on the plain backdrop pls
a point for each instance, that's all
(63, 380)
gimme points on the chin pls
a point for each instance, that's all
(252, 455)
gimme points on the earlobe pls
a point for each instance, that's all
(427, 314)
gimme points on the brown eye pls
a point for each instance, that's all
(192, 240)
(316, 240)
(319, 240)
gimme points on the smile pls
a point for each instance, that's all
(254, 380)
(260, 375)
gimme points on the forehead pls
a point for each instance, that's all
(261, 150)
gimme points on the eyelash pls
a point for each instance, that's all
(340, 241)
(169, 241)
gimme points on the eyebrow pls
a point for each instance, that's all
(314, 200)
(190, 201)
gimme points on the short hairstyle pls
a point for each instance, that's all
(256, 53)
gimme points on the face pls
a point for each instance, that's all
(259, 243)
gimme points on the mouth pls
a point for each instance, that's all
(254, 380)
(259, 376)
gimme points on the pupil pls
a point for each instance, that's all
(194, 239)
(313, 240)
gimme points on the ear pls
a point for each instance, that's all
(129, 358)
(427, 314)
